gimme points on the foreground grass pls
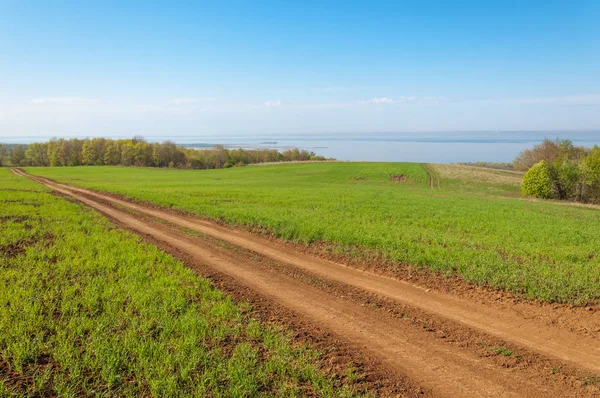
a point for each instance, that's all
(86, 309)
(475, 226)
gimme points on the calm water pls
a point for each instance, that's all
(443, 148)
(446, 147)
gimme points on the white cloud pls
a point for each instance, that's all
(273, 104)
(402, 100)
(382, 100)
(191, 100)
(63, 101)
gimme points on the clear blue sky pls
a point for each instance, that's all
(196, 68)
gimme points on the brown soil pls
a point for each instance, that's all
(15, 249)
(15, 219)
(399, 178)
(405, 334)
(18, 383)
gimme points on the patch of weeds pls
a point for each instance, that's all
(502, 351)
(592, 381)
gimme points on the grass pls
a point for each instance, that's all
(503, 351)
(87, 309)
(475, 226)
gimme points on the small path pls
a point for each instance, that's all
(434, 176)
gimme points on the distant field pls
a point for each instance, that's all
(90, 310)
(474, 226)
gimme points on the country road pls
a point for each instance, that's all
(449, 364)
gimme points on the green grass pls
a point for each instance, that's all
(475, 226)
(502, 351)
(90, 310)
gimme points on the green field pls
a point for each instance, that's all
(475, 226)
(87, 309)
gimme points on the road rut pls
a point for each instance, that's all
(442, 369)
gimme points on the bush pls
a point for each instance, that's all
(566, 177)
(536, 181)
(561, 170)
(591, 176)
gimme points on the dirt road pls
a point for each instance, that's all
(434, 177)
(443, 366)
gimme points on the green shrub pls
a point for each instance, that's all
(591, 176)
(566, 177)
(591, 167)
(536, 181)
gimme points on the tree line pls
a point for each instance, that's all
(560, 170)
(138, 152)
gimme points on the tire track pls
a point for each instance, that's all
(555, 343)
(434, 177)
(442, 370)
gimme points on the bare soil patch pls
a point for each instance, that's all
(16, 219)
(399, 178)
(19, 382)
(15, 249)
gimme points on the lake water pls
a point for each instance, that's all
(422, 147)
(448, 147)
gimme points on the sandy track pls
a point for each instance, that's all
(443, 369)
(434, 177)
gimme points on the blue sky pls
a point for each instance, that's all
(245, 68)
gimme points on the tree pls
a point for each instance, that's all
(92, 152)
(566, 179)
(64, 151)
(37, 154)
(220, 156)
(179, 159)
(88, 155)
(17, 155)
(550, 151)
(127, 154)
(138, 152)
(75, 157)
(590, 170)
(163, 154)
(112, 155)
(52, 152)
(99, 146)
(137, 138)
(537, 182)
(591, 166)
(142, 154)
(3, 153)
